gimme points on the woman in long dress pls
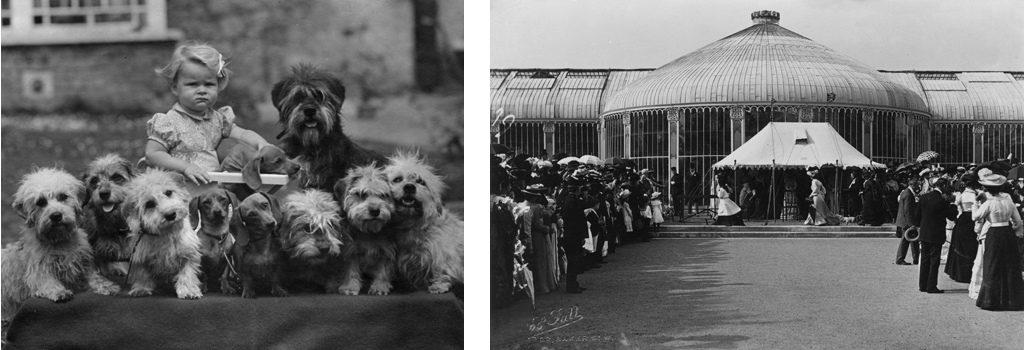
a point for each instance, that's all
(1002, 287)
(820, 214)
(963, 244)
(535, 223)
(728, 211)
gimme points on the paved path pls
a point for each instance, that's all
(789, 293)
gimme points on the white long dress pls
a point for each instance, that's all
(726, 207)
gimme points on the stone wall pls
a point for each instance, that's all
(91, 78)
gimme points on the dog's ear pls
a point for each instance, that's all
(234, 200)
(239, 231)
(22, 209)
(284, 228)
(337, 89)
(251, 173)
(277, 94)
(177, 177)
(129, 168)
(193, 212)
(339, 192)
(86, 191)
(130, 212)
(275, 206)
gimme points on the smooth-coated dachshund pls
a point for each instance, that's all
(240, 157)
(257, 249)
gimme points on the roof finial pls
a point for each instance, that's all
(765, 17)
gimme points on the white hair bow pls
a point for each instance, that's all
(220, 65)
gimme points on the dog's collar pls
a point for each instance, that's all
(220, 238)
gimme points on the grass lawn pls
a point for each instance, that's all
(71, 142)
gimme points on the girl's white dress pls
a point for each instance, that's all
(657, 216)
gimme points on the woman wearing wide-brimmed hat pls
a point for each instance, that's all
(1002, 287)
(820, 214)
(963, 243)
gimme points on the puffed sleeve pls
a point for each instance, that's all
(161, 129)
(227, 120)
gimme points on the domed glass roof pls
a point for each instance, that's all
(762, 63)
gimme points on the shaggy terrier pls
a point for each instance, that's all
(257, 249)
(212, 212)
(368, 209)
(313, 241)
(102, 221)
(165, 247)
(53, 256)
(309, 103)
(430, 246)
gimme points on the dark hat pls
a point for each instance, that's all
(536, 189)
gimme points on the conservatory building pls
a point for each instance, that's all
(697, 109)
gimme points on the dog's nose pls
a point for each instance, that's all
(374, 212)
(105, 194)
(170, 217)
(325, 249)
(409, 188)
(309, 112)
(56, 217)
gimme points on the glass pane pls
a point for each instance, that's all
(113, 17)
(5, 4)
(68, 19)
(6, 21)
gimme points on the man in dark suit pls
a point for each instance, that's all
(676, 185)
(575, 224)
(933, 209)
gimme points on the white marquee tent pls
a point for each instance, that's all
(796, 145)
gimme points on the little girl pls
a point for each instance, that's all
(185, 138)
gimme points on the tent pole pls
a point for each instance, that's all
(771, 196)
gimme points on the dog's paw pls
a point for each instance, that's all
(226, 288)
(248, 293)
(190, 296)
(439, 288)
(118, 268)
(346, 291)
(350, 288)
(279, 292)
(58, 296)
(380, 288)
(107, 289)
(140, 292)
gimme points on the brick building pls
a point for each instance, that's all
(98, 56)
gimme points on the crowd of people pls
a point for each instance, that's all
(986, 246)
(552, 220)
(563, 219)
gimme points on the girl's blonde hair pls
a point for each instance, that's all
(197, 53)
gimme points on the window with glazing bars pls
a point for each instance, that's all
(89, 12)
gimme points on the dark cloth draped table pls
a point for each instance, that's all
(417, 320)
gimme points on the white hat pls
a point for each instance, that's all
(987, 178)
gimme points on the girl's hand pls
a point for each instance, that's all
(196, 174)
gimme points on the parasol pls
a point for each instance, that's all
(497, 148)
(1017, 172)
(522, 278)
(566, 160)
(907, 165)
(592, 160)
(927, 155)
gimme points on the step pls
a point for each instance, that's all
(773, 231)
